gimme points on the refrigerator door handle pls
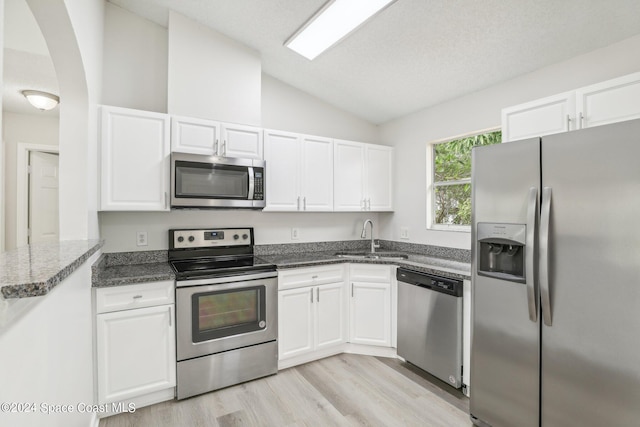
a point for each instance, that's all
(544, 256)
(530, 255)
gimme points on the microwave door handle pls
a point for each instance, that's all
(252, 182)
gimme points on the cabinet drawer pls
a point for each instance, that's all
(311, 276)
(134, 296)
(370, 273)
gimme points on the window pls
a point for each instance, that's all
(449, 183)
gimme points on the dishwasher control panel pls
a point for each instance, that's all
(445, 285)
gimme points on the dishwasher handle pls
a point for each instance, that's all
(432, 282)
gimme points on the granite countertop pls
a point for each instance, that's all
(127, 268)
(423, 263)
(34, 270)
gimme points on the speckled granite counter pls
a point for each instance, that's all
(439, 266)
(126, 268)
(34, 270)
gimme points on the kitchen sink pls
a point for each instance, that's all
(371, 255)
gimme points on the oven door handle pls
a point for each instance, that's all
(226, 279)
(252, 182)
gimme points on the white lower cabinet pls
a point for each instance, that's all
(135, 341)
(370, 305)
(311, 318)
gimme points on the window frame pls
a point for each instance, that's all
(432, 184)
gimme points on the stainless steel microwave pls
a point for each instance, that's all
(199, 181)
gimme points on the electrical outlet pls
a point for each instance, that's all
(404, 232)
(141, 238)
(295, 234)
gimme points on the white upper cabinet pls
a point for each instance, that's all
(211, 138)
(362, 177)
(540, 117)
(241, 141)
(299, 172)
(134, 160)
(196, 136)
(611, 101)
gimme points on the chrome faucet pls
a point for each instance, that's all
(363, 235)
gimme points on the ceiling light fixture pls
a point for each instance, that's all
(41, 100)
(335, 20)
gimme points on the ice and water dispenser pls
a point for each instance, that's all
(501, 249)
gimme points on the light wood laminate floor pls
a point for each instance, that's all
(343, 390)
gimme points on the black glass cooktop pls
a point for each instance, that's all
(219, 266)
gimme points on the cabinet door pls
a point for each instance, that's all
(197, 136)
(348, 176)
(317, 174)
(609, 102)
(136, 352)
(282, 155)
(370, 313)
(134, 157)
(379, 172)
(331, 315)
(241, 141)
(545, 116)
(295, 322)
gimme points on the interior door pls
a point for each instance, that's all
(43, 197)
(590, 352)
(504, 387)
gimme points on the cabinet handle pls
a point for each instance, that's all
(298, 204)
(581, 120)
(315, 276)
(568, 122)
(224, 147)
(215, 148)
(368, 204)
(166, 200)
(170, 315)
(304, 203)
(351, 289)
(137, 296)
(311, 295)
(318, 294)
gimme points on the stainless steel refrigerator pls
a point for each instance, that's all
(556, 280)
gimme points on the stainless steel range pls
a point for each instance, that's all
(226, 309)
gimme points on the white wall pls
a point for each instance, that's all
(135, 61)
(287, 108)
(210, 75)
(47, 355)
(21, 128)
(477, 111)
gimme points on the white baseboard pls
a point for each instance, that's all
(365, 350)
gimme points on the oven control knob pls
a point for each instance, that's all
(180, 239)
(262, 324)
(236, 237)
(245, 236)
(191, 238)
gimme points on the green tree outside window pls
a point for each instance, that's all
(452, 178)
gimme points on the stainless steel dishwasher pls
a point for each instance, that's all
(430, 324)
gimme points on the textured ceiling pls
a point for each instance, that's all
(416, 53)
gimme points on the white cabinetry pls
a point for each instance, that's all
(609, 102)
(370, 307)
(312, 312)
(135, 341)
(300, 172)
(599, 104)
(134, 160)
(538, 118)
(362, 177)
(207, 137)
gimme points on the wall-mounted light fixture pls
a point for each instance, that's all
(41, 100)
(334, 21)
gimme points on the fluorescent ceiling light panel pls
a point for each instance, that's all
(333, 22)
